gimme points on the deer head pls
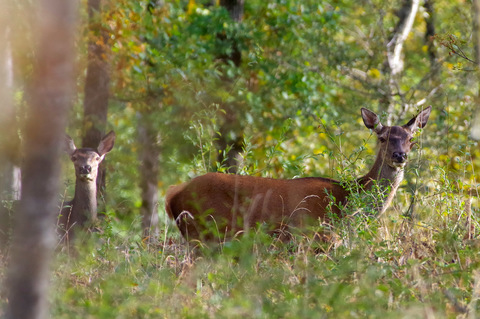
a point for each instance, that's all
(395, 141)
(87, 160)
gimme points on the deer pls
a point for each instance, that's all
(218, 206)
(83, 206)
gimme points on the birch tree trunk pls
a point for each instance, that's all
(49, 97)
(395, 54)
(475, 132)
(9, 142)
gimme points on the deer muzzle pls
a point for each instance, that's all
(85, 171)
(399, 159)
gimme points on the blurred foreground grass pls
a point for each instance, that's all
(416, 273)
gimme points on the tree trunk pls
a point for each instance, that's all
(149, 143)
(49, 96)
(148, 138)
(9, 142)
(475, 131)
(476, 29)
(230, 141)
(96, 87)
(430, 32)
(235, 8)
(406, 16)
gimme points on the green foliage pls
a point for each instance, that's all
(307, 67)
(259, 276)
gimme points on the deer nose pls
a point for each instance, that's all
(86, 169)
(399, 156)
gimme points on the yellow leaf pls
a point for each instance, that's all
(191, 7)
(319, 150)
(374, 73)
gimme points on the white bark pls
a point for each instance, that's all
(395, 46)
(475, 132)
(395, 53)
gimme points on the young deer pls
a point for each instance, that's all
(83, 206)
(217, 206)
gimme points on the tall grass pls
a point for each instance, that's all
(416, 273)
(419, 260)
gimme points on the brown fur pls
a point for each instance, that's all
(218, 206)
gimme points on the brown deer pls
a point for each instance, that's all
(83, 206)
(218, 206)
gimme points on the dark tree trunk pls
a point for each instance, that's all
(96, 87)
(430, 31)
(49, 96)
(230, 141)
(235, 8)
(149, 143)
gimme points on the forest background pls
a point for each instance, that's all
(265, 88)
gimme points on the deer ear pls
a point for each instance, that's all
(371, 120)
(69, 145)
(106, 144)
(419, 121)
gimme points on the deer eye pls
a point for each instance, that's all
(382, 139)
(73, 158)
(97, 158)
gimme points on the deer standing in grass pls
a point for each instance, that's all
(83, 206)
(218, 206)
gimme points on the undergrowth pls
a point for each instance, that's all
(414, 274)
(418, 260)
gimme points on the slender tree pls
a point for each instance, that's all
(9, 141)
(148, 138)
(96, 85)
(149, 152)
(476, 29)
(230, 141)
(475, 130)
(49, 97)
(476, 44)
(395, 62)
(430, 31)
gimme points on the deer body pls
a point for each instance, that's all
(235, 203)
(217, 206)
(83, 206)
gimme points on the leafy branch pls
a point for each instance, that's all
(453, 44)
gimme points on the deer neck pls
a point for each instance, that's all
(85, 201)
(385, 179)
